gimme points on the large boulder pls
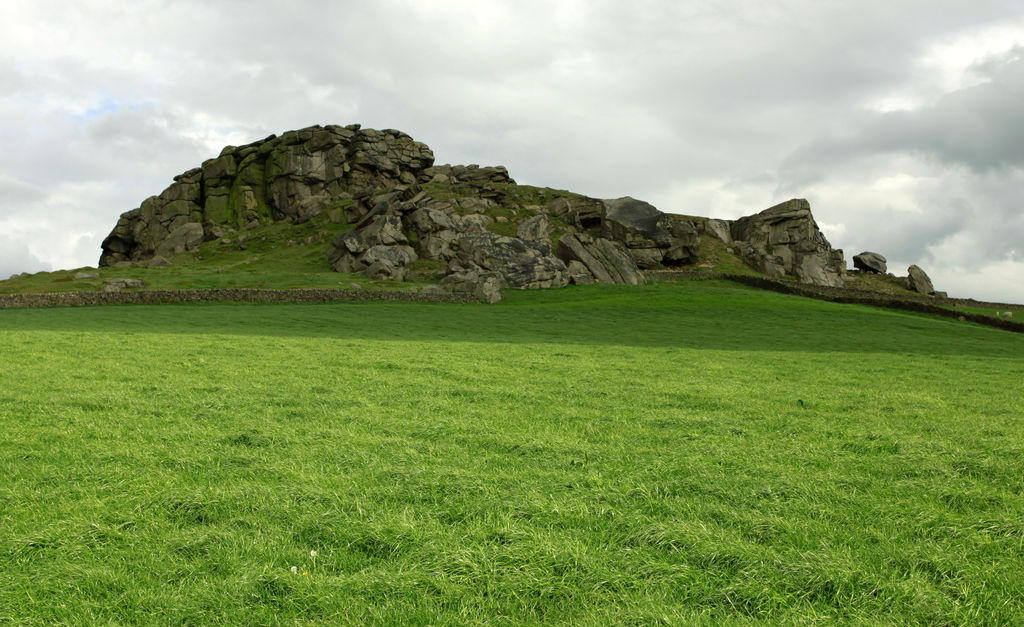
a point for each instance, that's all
(784, 240)
(635, 223)
(378, 262)
(579, 212)
(519, 262)
(606, 261)
(870, 262)
(919, 281)
(481, 285)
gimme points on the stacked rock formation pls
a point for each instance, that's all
(385, 185)
(783, 240)
(870, 262)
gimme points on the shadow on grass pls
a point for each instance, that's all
(703, 315)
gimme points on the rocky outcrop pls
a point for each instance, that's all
(784, 240)
(605, 261)
(919, 281)
(402, 209)
(297, 176)
(870, 262)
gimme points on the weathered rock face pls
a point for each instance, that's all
(870, 262)
(483, 286)
(652, 237)
(519, 262)
(297, 175)
(785, 240)
(604, 260)
(535, 229)
(919, 281)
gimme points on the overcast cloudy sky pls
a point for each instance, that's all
(900, 120)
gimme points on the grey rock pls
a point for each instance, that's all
(295, 176)
(635, 223)
(185, 238)
(535, 229)
(377, 230)
(784, 240)
(578, 274)
(389, 255)
(476, 222)
(646, 258)
(870, 262)
(607, 261)
(519, 262)
(389, 262)
(483, 286)
(158, 262)
(429, 220)
(580, 212)
(438, 245)
(919, 281)
(383, 230)
(719, 229)
(86, 274)
(116, 285)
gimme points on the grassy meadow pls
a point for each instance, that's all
(677, 453)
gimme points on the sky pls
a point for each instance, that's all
(899, 120)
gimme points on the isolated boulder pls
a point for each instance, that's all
(919, 281)
(870, 262)
(605, 260)
(519, 262)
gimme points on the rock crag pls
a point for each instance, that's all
(397, 211)
(298, 175)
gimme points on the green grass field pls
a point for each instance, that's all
(691, 453)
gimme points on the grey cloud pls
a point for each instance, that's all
(15, 258)
(977, 127)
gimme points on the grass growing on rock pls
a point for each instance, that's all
(674, 453)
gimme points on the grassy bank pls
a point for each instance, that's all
(605, 454)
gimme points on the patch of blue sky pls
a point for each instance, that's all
(103, 108)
